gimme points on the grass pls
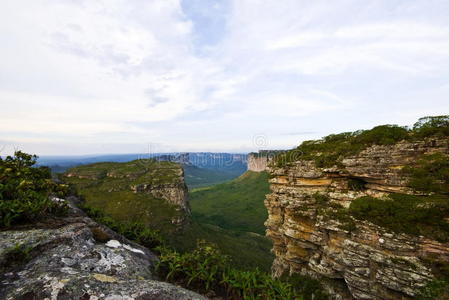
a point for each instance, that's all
(139, 171)
(135, 231)
(196, 177)
(155, 213)
(246, 250)
(237, 205)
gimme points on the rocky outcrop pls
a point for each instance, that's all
(76, 258)
(364, 262)
(161, 180)
(174, 193)
(258, 162)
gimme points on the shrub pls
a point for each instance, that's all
(202, 269)
(382, 135)
(25, 190)
(330, 150)
(418, 215)
(435, 290)
(16, 256)
(430, 174)
(431, 126)
(206, 269)
(310, 288)
(321, 199)
(356, 184)
(135, 231)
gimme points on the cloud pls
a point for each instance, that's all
(206, 75)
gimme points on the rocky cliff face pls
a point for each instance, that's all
(258, 162)
(363, 262)
(76, 258)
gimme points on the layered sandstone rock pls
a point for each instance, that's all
(365, 262)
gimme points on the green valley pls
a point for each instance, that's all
(235, 205)
(230, 214)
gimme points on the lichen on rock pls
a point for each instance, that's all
(66, 262)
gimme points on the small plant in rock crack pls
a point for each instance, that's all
(16, 256)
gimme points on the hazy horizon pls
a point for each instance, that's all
(118, 77)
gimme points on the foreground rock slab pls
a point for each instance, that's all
(65, 261)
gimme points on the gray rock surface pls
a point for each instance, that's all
(76, 258)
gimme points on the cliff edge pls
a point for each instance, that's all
(362, 222)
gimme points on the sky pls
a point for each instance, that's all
(114, 76)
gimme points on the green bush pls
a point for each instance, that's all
(16, 256)
(430, 174)
(417, 215)
(135, 231)
(435, 290)
(431, 126)
(206, 270)
(201, 269)
(356, 184)
(321, 199)
(25, 190)
(330, 150)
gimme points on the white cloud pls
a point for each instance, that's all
(126, 73)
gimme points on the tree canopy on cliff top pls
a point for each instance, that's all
(331, 149)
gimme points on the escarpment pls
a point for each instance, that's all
(258, 161)
(150, 191)
(339, 222)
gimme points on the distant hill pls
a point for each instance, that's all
(200, 168)
(236, 205)
(146, 190)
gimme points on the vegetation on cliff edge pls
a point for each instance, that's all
(25, 191)
(330, 150)
(416, 215)
(108, 186)
(206, 270)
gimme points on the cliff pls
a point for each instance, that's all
(76, 258)
(258, 162)
(153, 192)
(325, 220)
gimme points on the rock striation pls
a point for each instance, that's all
(368, 261)
(76, 258)
(258, 162)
